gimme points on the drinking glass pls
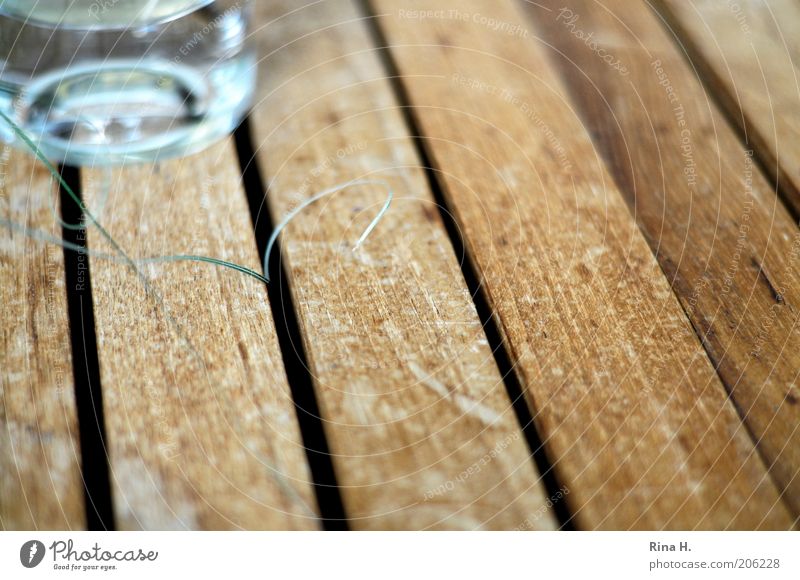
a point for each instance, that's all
(100, 82)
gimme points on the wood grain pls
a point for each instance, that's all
(201, 426)
(637, 423)
(749, 55)
(419, 423)
(40, 479)
(721, 236)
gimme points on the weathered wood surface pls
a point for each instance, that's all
(417, 417)
(749, 54)
(40, 480)
(726, 244)
(202, 431)
(638, 425)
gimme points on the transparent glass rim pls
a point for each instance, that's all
(33, 21)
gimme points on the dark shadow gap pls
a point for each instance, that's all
(778, 179)
(473, 280)
(627, 189)
(289, 338)
(85, 364)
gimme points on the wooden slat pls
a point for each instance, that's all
(749, 54)
(201, 426)
(725, 242)
(420, 426)
(637, 422)
(40, 480)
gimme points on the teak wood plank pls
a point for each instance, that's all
(40, 479)
(725, 242)
(637, 423)
(749, 54)
(202, 430)
(420, 426)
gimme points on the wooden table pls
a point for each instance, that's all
(580, 311)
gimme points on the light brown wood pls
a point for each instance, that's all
(202, 431)
(637, 423)
(418, 420)
(40, 480)
(723, 239)
(749, 55)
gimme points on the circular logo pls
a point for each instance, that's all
(31, 553)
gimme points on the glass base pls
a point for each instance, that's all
(123, 111)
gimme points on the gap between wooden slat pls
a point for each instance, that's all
(767, 132)
(750, 131)
(86, 368)
(643, 430)
(294, 358)
(407, 385)
(473, 281)
(724, 276)
(202, 430)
